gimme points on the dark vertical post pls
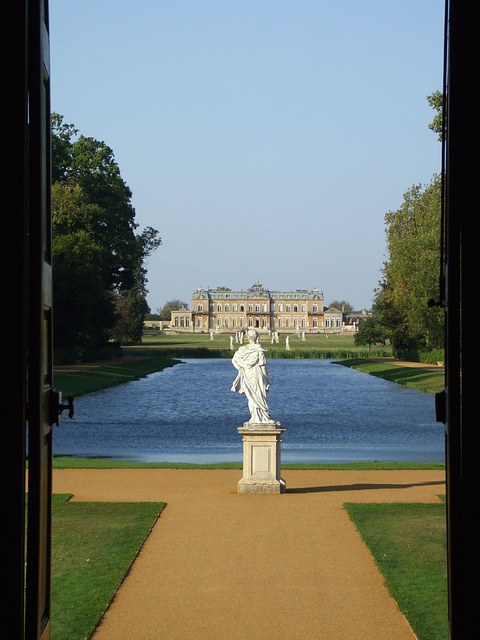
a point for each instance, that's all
(462, 214)
(41, 400)
(13, 177)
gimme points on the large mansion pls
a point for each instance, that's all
(225, 311)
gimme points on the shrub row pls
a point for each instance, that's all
(327, 354)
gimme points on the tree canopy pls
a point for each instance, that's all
(402, 307)
(341, 305)
(171, 305)
(411, 273)
(99, 280)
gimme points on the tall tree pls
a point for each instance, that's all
(96, 247)
(412, 270)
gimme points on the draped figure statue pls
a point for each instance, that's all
(252, 378)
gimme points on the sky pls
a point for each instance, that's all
(264, 139)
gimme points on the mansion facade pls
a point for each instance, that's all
(225, 311)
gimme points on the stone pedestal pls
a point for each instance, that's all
(261, 458)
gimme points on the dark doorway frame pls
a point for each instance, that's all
(461, 287)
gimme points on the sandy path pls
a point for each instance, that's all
(221, 565)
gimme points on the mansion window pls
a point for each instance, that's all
(315, 308)
(250, 322)
(295, 323)
(280, 307)
(250, 308)
(264, 323)
(234, 321)
(219, 322)
(242, 307)
(200, 323)
(242, 322)
(304, 323)
(304, 308)
(227, 324)
(287, 322)
(219, 307)
(257, 307)
(288, 308)
(234, 307)
(315, 323)
(264, 308)
(200, 307)
(227, 307)
(295, 308)
(280, 323)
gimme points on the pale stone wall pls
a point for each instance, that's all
(181, 321)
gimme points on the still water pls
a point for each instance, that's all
(187, 413)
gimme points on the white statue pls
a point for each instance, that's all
(231, 342)
(252, 378)
(287, 343)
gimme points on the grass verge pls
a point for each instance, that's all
(408, 545)
(89, 379)
(68, 462)
(93, 547)
(413, 377)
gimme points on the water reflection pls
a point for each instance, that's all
(188, 414)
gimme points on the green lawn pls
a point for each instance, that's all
(68, 462)
(408, 545)
(93, 547)
(420, 378)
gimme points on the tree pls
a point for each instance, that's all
(96, 249)
(131, 308)
(341, 305)
(171, 305)
(436, 101)
(370, 331)
(411, 274)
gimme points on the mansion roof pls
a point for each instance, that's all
(256, 291)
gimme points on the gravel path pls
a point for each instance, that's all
(219, 565)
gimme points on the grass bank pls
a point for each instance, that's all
(68, 462)
(421, 378)
(93, 547)
(408, 545)
(77, 381)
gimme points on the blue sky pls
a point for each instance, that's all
(264, 139)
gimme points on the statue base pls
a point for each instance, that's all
(261, 458)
